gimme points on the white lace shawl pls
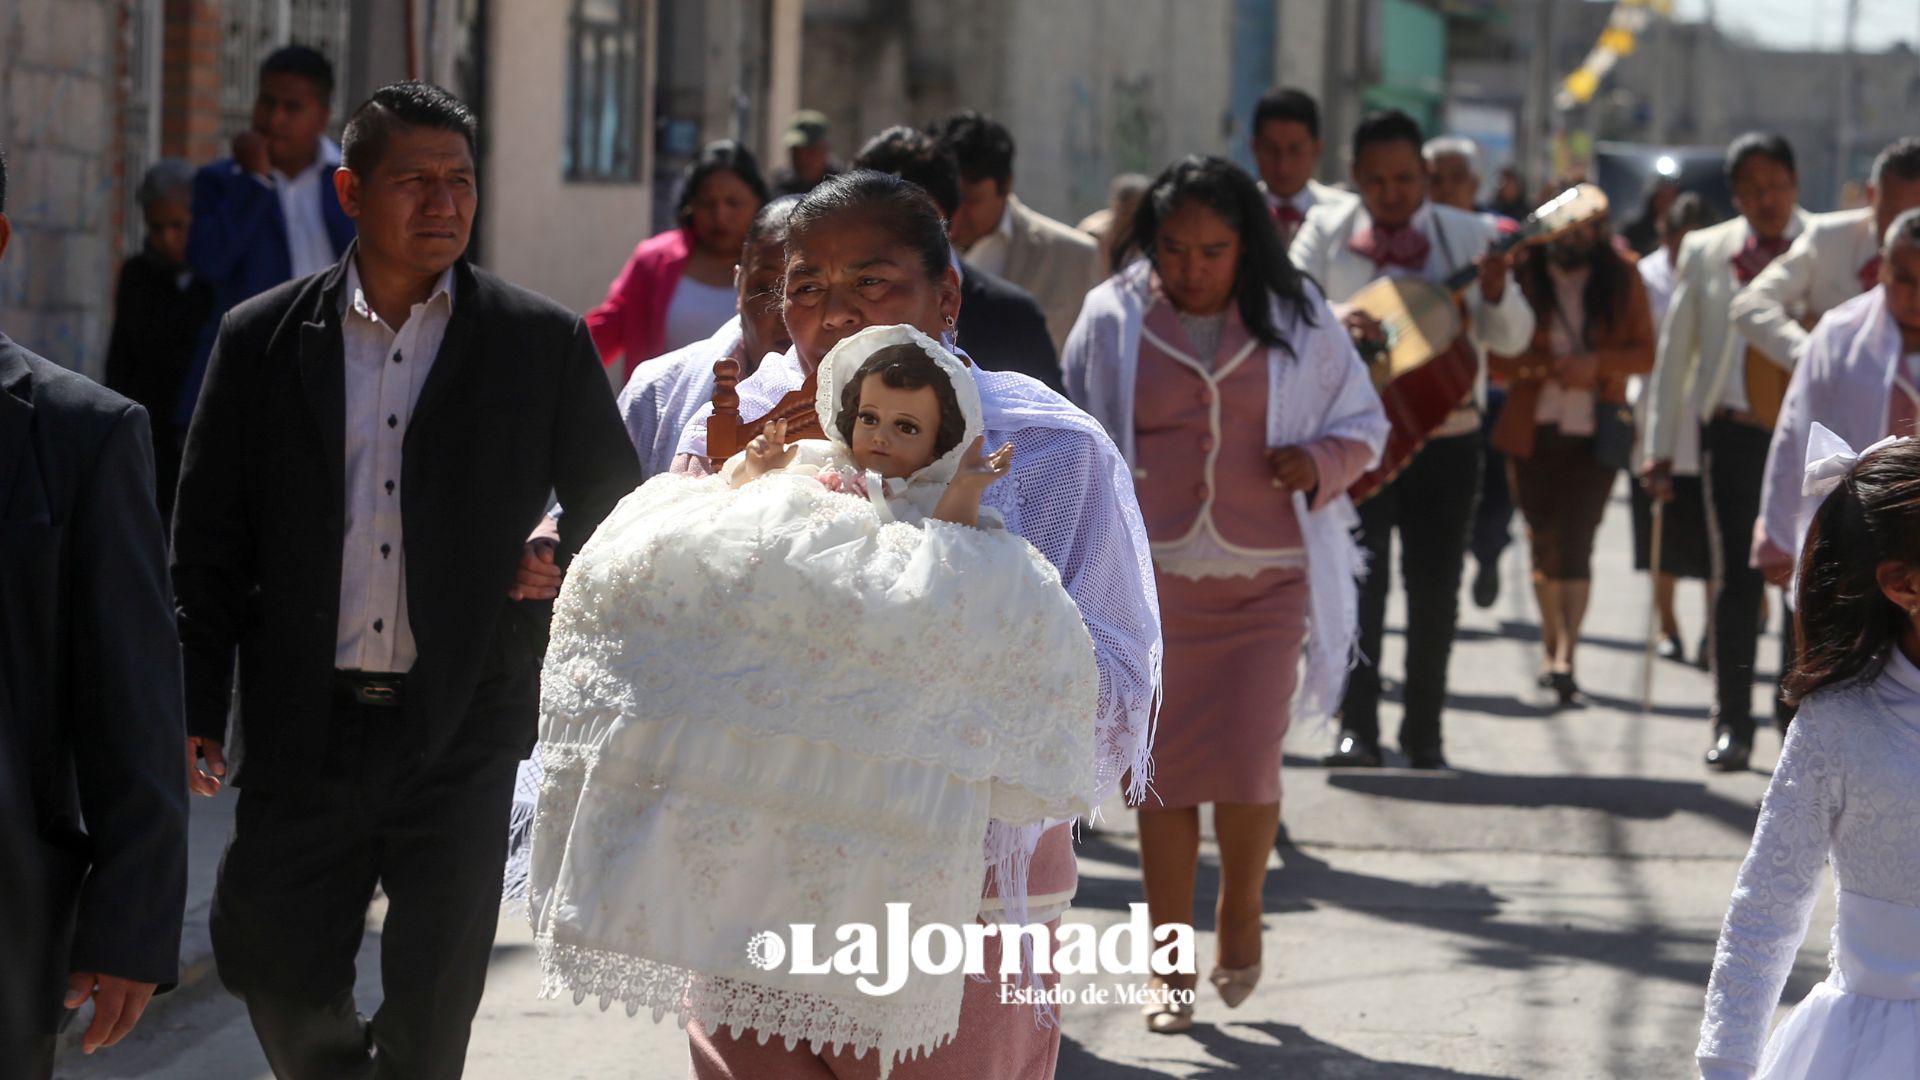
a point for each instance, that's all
(1070, 495)
(1321, 390)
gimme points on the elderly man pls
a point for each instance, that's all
(1857, 375)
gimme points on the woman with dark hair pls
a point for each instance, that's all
(1846, 790)
(1239, 402)
(1642, 234)
(1592, 331)
(869, 249)
(677, 288)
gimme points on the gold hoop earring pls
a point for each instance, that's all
(949, 322)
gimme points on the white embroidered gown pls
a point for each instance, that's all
(785, 704)
(1847, 787)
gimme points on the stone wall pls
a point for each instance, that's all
(57, 125)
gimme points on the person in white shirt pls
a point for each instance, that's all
(1287, 149)
(1701, 375)
(1394, 230)
(1453, 179)
(1683, 534)
(1836, 259)
(1846, 792)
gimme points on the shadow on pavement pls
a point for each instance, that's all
(1297, 1055)
(1627, 797)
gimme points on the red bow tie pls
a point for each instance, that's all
(1756, 255)
(1288, 216)
(1403, 246)
(1870, 274)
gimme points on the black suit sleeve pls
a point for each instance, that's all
(594, 463)
(128, 737)
(212, 542)
(123, 362)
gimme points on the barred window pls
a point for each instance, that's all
(606, 90)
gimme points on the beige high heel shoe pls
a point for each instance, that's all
(1235, 984)
(1166, 1016)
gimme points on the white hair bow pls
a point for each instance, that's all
(1830, 460)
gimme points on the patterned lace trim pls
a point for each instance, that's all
(899, 1031)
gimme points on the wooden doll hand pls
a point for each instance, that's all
(769, 450)
(979, 470)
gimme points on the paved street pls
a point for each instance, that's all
(1549, 911)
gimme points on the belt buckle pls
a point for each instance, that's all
(376, 695)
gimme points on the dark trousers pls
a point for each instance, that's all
(298, 875)
(1431, 504)
(1493, 520)
(1733, 465)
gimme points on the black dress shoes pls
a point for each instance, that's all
(1672, 649)
(1486, 585)
(1568, 691)
(1428, 760)
(1351, 752)
(1729, 754)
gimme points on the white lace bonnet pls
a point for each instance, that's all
(843, 363)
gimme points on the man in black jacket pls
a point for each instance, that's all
(372, 447)
(1001, 325)
(93, 795)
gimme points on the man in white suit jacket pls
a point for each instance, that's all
(1859, 375)
(1287, 149)
(1836, 259)
(998, 233)
(1392, 229)
(1701, 351)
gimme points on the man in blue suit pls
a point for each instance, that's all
(268, 214)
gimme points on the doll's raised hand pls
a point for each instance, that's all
(960, 503)
(768, 451)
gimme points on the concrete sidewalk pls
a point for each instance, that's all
(1549, 910)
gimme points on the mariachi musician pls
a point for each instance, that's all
(1703, 359)
(1395, 231)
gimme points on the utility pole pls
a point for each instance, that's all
(1539, 111)
(1844, 136)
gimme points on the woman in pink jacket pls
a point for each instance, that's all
(677, 288)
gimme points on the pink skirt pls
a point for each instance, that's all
(1232, 662)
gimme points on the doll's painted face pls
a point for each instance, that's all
(895, 430)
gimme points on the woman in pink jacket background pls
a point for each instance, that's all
(677, 288)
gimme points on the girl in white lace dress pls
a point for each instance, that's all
(1847, 788)
(796, 693)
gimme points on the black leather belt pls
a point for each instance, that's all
(373, 689)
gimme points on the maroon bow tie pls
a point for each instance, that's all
(1870, 274)
(1403, 246)
(1756, 255)
(1288, 216)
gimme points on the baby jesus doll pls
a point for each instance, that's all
(898, 416)
(796, 693)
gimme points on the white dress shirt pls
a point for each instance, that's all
(989, 253)
(385, 369)
(1656, 272)
(308, 243)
